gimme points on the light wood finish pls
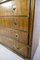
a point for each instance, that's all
(22, 8)
(14, 27)
(15, 34)
(20, 23)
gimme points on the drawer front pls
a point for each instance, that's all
(21, 49)
(15, 34)
(22, 7)
(18, 7)
(15, 23)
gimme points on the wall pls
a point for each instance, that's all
(36, 31)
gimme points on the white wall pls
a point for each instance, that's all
(36, 31)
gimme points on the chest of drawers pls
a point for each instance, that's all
(16, 25)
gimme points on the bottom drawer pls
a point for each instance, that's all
(21, 49)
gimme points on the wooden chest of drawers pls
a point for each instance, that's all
(16, 25)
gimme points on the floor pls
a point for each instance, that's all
(6, 54)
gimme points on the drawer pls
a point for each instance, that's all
(15, 34)
(21, 49)
(9, 33)
(18, 7)
(20, 23)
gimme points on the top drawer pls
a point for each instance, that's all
(18, 7)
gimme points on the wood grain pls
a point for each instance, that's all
(22, 8)
(14, 45)
(20, 23)
(10, 26)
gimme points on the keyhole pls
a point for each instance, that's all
(18, 48)
(14, 9)
(15, 23)
(16, 35)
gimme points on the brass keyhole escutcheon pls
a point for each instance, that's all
(14, 9)
(18, 48)
(16, 35)
(15, 23)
